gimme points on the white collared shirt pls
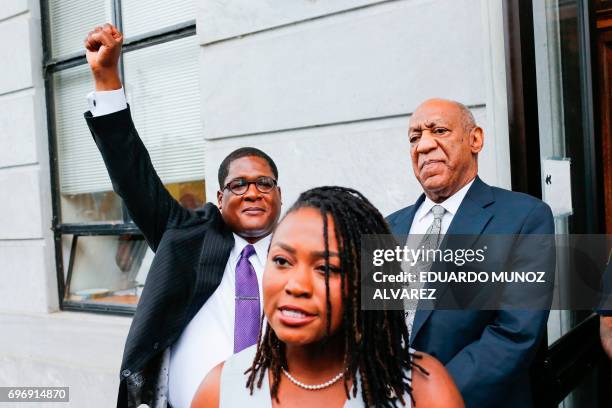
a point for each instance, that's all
(424, 216)
(209, 338)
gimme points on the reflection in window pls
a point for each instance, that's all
(111, 269)
(191, 195)
(107, 269)
(90, 207)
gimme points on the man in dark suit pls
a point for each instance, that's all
(488, 352)
(605, 312)
(201, 299)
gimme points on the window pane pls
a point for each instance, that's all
(86, 190)
(163, 89)
(70, 21)
(139, 18)
(108, 269)
(92, 207)
(191, 194)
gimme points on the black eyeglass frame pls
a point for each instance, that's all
(248, 185)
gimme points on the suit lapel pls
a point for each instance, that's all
(471, 219)
(403, 222)
(473, 216)
(216, 247)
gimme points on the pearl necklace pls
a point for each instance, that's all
(316, 386)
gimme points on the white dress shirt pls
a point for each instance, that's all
(424, 216)
(208, 339)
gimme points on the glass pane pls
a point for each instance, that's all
(163, 90)
(91, 207)
(191, 194)
(70, 21)
(561, 92)
(139, 18)
(109, 270)
(86, 190)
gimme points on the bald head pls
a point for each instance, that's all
(465, 114)
(444, 145)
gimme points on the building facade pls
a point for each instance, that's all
(325, 88)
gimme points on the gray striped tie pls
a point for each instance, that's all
(431, 240)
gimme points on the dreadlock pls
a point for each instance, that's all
(376, 341)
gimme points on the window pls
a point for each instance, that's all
(102, 259)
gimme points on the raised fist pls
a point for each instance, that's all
(103, 48)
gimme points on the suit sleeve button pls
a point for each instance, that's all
(126, 373)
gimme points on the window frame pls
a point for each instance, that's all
(50, 66)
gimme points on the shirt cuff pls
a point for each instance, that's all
(106, 102)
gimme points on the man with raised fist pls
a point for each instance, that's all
(201, 300)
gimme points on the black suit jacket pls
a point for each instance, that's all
(191, 251)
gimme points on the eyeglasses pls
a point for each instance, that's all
(240, 186)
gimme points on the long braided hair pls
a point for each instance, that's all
(376, 341)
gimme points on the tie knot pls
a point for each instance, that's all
(438, 211)
(247, 251)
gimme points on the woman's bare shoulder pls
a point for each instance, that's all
(207, 394)
(436, 390)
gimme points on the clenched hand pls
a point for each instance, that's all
(103, 48)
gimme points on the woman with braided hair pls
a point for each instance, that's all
(319, 348)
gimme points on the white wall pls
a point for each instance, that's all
(40, 346)
(327, 90)
(25, 240)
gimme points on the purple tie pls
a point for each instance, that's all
(246, 323)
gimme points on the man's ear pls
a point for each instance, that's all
(219, 199)
(476, 139)
(280, 196)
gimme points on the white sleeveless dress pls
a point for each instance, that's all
(234, 393)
